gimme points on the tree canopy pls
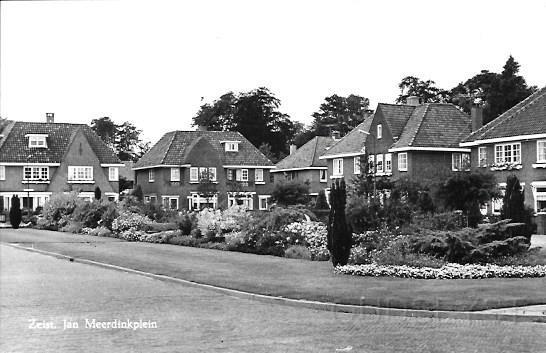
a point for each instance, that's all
(123, 139)
(426, 90)
(255, 114)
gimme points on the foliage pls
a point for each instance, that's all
(123, 139)
(448, 271)
(15, 215)
(290, 193)
(466, 191)
(98, 193)
(437, 221)
(185, 223)
(137, 193)
(130, 221)
(314, 236)
(254, 114)
(58, 209)
(339, 234)
(72, 227)
(321, 203)
(513, 207)
(297, 252)
(426, 90)
(338, 113)
(90, 213)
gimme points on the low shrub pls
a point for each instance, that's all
(130, 221)
(104, 232)
(297, 252)
(72, 227)
(184, 240)
(57, 211)
(359, 255)
(159, 238)
(185, 223)
(160, 227)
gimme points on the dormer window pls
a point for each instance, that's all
(37, 140)
(231, 146)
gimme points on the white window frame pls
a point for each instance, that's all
(482, 156)
(37, 141)
(260, 199)
(323, 175)
(229, 174)
(379, 131)
(259, 175)
(371, 164)
(541, 157)
(244, 174)
(194, 174)
(403, 162)
(35, 173)
(80, 173)
(166, 201)
(247, 198)
(458, 161)
(151, 175)
(337, 170)
(496, 204)
(231, 146)
(388, 163)
(356, 165)
(113, 173)
(175, 174)
(380, 166)
(538, 195)
(212, 174)
(2, 172)
(501, 151)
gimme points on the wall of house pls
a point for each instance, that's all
(80, 153)
(14, 180)
(310, 175)
(527, 174)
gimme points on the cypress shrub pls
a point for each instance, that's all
(339, 233)
(15, 215)
(321, 203)
(97, 193)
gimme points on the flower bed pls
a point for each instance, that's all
(449, 271)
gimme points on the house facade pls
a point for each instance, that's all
(38, 160)
(515, 144)
(303, 164)
(197, 169)
(415, 141)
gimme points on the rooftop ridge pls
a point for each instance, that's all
(427, 106)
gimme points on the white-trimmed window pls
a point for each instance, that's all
(379, 159)
(212, 173)
(356, 165)
(371, 163)
(496, 204)
(403, 162)
(244, 174)
(80, 173)
(194, 174)
(323, 175)
(508, 153)
(207, 173)
(170, 202)
(229, 174)
(541, 151)
(482, 156)
(259, 175)
(460, 161)
(151, 175)
(263, 202)
(37, 141)
(2, 172)
(337, 167)
(379, 131)
(113, 174)
(539, 193)
(388, 163)
(232, 146)
(35, 173)
(175, 174)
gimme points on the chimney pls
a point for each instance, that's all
(293, 149)
(202, 128)
(413, 100)
(335, 135)
(50, 118)
(476, 112)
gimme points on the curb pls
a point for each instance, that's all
(309, 304)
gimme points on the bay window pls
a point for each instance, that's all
(508, 153)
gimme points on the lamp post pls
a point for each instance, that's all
(374, 162)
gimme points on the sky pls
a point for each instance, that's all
(154, 63)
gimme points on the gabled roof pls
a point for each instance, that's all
(307, 155)
(396, 116)
(173, 149)
(352, 143)
(15, 147)
(528, 117)
(434, 125)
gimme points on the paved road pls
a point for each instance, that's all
(50, 290)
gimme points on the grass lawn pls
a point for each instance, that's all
(297, 279)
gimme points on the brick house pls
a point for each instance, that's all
(38, 160)
(515, 143)
(303, 164)
(196, 169)
(417, 141)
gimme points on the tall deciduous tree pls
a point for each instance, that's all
(254, 114)
(340, 113)
(426, 90)
(123, 139)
